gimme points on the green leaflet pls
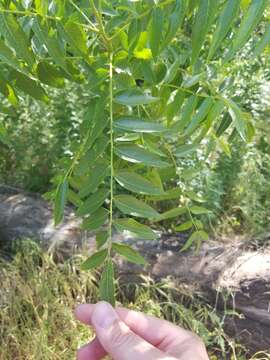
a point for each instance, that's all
(42, 7)
(101, 238)
(134, 124)
(139, 230)
(184, 226)
(48, 37)
(7, 56)
(134, 98)
(264, 41)
(183, 150)
(201, 114)
(95, 260)
(171, 194)
(8, 92)
(76, 38)
(50, 75)
(93, 202)
(96, 220)
(199, 210)
(238, 118)
(197, 237)
(97, 175)
(106, 285)
(188, 109)
(99, 121)
(248, 24)
(134, 31)
(129, 253)
(74, 198)
(60, 201)
(175, 20)
(200, 29)
(224, 124)
(172, 71)
(193, 196)
(11, 30)
(171, 214)
(137, 183)
(155, 33)
(90, 157)
(29, 86)
(132, 206)
(225, 21)
(173, 108)
(137, 154)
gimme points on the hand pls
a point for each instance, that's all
(129, 335)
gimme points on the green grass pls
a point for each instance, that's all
(38, 297)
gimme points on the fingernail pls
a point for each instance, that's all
(103, 315)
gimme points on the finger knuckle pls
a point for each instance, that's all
(120, 338)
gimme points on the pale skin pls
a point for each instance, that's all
(130, 335)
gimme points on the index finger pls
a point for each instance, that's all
(157, 332)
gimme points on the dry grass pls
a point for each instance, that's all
(38, 297)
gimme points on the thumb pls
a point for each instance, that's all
(118, 340)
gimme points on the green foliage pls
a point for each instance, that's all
(156, 93)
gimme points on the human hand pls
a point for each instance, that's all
(129, 335)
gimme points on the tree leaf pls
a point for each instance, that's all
(264, 41)
(155, 34)
(101, 238)
(171, 214)
(96, 177)
(11, 30)
(74, 198)
(42, 7)
(92, 155)
(96, 220)
(248, 24)
(170, 194)
(188, 109)
(106, 285)
(93, 202)
(198, 210)
(183, 150)
(129, 253)
(76, 37)
(199, 29)
(197, 236)
(47, 37)
(95, 260)
(134, 227)
(29, 86)
(175, 20)
(238, 118)
(137, 183)
(7, 56)
(184, 226)
(201, 114)
(49, 74)
(137, 125)
(134, 98)
(137, 154)
(60, 201)
(225, 21)
(130, 205)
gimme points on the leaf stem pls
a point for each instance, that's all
(111, 152)
(101, 27)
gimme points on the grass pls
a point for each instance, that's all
(38, 297)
